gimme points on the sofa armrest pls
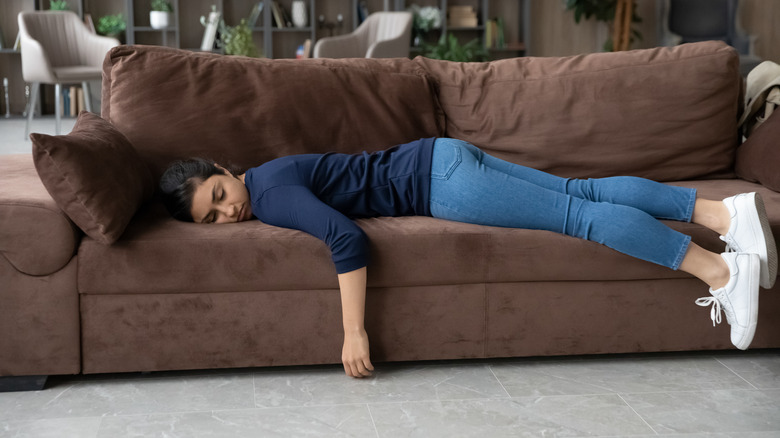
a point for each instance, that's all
(36, 237)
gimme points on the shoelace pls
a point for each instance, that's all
(715, 310)
(730, 244)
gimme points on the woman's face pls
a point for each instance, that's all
(221, 199)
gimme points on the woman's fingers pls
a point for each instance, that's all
(358, 368)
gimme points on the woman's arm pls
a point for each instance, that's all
(354, 355)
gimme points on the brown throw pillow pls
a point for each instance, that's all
(758, 156)
(94, 175)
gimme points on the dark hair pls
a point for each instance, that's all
(179, 181)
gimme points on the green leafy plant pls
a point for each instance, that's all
(237, 40)
(602, 10)
(111, 25)
(449, 49)
(58, 5)
(162, 6)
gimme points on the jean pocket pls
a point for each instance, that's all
(446, 158)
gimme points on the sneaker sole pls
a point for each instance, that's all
(747, 336)
(768, 264)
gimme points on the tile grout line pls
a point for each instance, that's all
(254, 391)
(371, 416)
(490, 367)
(637, 413)
(735, 373)
(100, 425)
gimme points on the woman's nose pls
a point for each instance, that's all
(230, 210)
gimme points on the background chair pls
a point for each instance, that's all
(57, 48)
(687, 21)
(382, 35)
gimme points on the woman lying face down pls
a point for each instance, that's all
(454, 180)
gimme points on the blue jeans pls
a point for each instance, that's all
(468, 185)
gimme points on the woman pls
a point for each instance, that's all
(451, 179)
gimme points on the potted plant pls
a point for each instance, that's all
(237, 40)
(58, 5)
(449, 49)
(425, 19)
(160, 16)
(111, 25)
(621, 33)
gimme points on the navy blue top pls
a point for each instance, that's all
(320, 193)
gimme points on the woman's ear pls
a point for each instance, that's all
(227, 172)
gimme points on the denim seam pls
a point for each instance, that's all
(463, 216)
(691, 205)
(683, 251)
(450, 170)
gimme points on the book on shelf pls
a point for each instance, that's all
(79, 101)
(65, 100)
(494, 34)
(281, 18)
(2, 40)
(257, 9)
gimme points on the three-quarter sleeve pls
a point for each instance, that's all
(296, 207)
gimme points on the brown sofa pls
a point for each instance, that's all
(172, 296)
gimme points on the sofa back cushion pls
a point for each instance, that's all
(663, 113)
(242, 112)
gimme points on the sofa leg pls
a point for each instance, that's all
(22, 383)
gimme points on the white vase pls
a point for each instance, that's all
(159, 19)
(300, 17)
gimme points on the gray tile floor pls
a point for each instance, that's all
(709, 394)
(723, 394)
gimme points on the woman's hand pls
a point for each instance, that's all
(355, 355)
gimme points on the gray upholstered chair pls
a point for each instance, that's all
(382, 35)
(688, 21)
(57, 48)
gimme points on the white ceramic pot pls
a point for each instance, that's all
(159, 19)
(300, 17)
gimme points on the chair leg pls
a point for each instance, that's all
(87, 96)
(31, 108)
(58, 106)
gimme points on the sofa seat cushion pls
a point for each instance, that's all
(160, 255)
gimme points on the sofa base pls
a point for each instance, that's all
(22, 383)
(160, 332)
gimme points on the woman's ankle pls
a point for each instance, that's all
(713, 215)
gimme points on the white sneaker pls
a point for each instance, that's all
(738, 298)
(749, 232)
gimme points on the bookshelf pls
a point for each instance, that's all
(515, 15)
(186, 32)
